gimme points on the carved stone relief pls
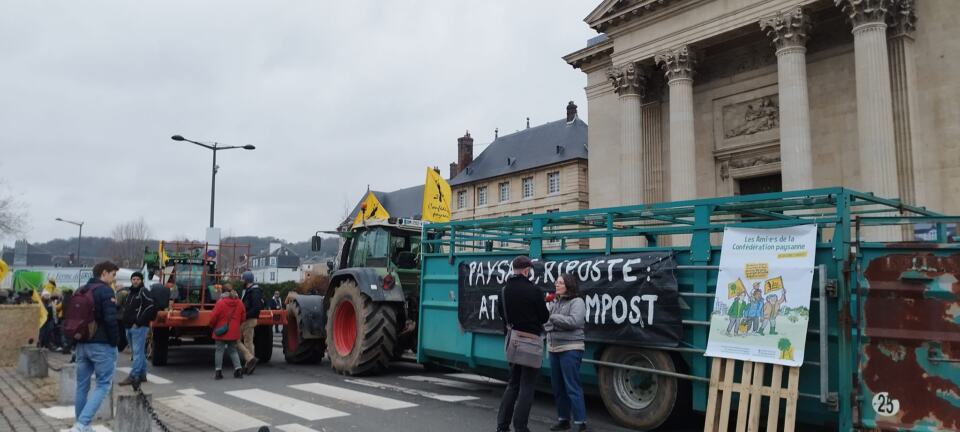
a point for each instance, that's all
(750, 117)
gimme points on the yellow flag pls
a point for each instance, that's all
(771, 285)
(43, 311)
(735, 288)
(436, 198)
(162, 256)
(4, 269)
(370, 209)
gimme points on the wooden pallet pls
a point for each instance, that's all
(752, 390)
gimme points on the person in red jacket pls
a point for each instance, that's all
(227, 316)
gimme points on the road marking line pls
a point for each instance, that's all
(59, 412)
(354, 396)
(446, 382)
(293, 427)
(215, 415)
(151, 378)
(289, 405)
(426, 394)
(476, 378)
(191, 392)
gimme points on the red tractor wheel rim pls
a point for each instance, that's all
(344, 328)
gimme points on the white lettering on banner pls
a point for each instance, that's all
(620, 309)
(610, 265)
(491, 310)
(627, 267)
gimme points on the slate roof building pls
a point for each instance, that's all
(536, 170)
(401, 203)
(275, 265)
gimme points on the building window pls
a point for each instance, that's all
(504, 191)
(273, 261)
(553, 182)
(273, 276)
(528, 187)
(461, 199)
(482, 195)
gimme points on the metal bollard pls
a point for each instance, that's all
(32, 362)
(67, 391)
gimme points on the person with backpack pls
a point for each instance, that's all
(91, 321)
(226, 319)
(136, 314)
(252, 298)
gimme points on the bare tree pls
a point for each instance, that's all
(129, 240)
(13, 217)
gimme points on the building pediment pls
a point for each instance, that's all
(615, 12)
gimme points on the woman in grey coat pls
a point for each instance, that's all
(565, 338)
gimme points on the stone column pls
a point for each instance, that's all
(878, 156)
(678, 65)
(903, 91)
(678, 68)
(628, 82)
(789, 31)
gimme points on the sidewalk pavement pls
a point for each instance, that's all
(22, 399)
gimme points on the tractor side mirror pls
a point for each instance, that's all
(329, 266)
(315, 243)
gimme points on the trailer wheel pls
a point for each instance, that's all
(263, 343)
(161, 341)
(361, 334)
(297, 350)
(637, 399)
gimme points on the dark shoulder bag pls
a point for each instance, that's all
(521, 348)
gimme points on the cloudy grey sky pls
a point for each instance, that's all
(335, 95)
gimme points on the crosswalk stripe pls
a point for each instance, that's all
(215, 415)
(409, 391)
(353, 396)
(191, 392)
(293, 427)
(445, 382)
(151, 378)
(289, 405)
(476, 378)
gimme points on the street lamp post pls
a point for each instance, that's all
(79, 236)
(215, 147)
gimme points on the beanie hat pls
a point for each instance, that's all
(247, 277)
(137, 274)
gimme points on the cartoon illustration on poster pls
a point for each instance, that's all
(762, 303)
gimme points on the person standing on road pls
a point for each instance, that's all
(226, 319)
(275, 304)
(253, 302)
(524, 305)
(137, 313)
(97, 354)
(568, 316)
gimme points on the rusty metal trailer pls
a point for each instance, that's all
(883, 348)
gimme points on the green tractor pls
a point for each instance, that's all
(368, 316)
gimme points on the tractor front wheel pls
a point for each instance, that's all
(161, 341)
(361, 334)
(296, 349)
(263, 343)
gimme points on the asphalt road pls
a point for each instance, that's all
(304, 398)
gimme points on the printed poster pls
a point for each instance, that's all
(762, 305)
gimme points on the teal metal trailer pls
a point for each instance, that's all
(883, 344)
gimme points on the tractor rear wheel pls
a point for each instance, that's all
(161, 340)
(296, 349)
(639, 400)
(263, 343)
(361, 334)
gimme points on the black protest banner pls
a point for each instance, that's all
(631, 299)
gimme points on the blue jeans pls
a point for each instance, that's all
(99, 359)
(137, 338)
(567, 391)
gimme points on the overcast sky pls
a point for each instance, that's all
(335, 95)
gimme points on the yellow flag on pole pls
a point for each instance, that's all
(771, 285)
(4, 269)
(370, 209)
(43, 310)
(436, 198)
(161, 256)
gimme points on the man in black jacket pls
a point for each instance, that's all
(98, 355)
(527, 311)
(137, 312)
(252, 298)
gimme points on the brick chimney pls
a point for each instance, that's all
(464, 151)
(453, 170)
(571, 112)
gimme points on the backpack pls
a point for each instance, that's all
(79, 319)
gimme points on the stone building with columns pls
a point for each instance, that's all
(702, 98)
